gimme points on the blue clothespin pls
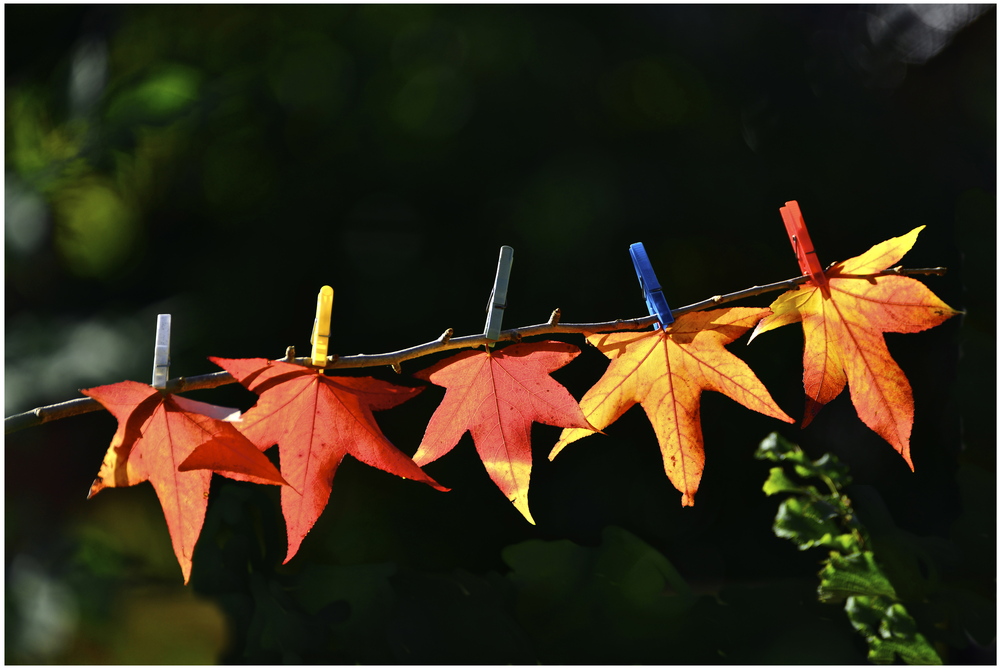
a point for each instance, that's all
(498, 299)
(651, 290)
(161, 354)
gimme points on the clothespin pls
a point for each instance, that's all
(161, 353)
(498, 298)
(320, 338)
(798, 235)
(651, 290)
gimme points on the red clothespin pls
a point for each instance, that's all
(798, 235)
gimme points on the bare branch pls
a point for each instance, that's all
(40, 415)
(898, 270)
(68, 408)
(445, 342)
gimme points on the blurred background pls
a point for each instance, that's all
(223, 163)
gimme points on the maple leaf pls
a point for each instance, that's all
(158, 433)
(844, 342)
(316, 420)
(666, 371)
(496, 396)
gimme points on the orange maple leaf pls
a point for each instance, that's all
(316, 420)
(175, 443)
(496, 396)
(666, 371)
(844, 341)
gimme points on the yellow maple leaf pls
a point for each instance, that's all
(666, 371)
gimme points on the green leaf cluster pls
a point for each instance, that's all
(824, 517)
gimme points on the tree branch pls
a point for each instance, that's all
(445, 342)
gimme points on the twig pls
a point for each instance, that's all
(445, 342)
(68, 408)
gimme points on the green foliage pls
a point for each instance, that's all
(814, 519)
(852, 575)
(890, 630)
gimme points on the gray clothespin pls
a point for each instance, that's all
(498, 299)
(161, 354)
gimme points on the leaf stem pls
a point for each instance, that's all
(445, 342)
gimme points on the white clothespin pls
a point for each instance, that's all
(498, 299)
(161, 354)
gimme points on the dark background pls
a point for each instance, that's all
(223, 163)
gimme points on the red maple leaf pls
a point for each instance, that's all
(496, 395)
(175, 443)
(316, 420)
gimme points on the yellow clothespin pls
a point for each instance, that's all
(321, 326)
